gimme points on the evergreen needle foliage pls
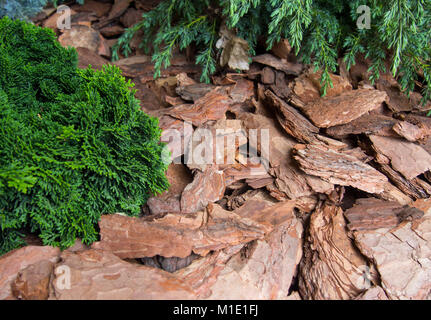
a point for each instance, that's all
(21, 9)
(74, 143)
(25, 9)
(320, 31)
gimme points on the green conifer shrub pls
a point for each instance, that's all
(21, 9)
(74, 143)
(26, 9)
(320, 31)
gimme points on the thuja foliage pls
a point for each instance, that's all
(74, 143)
(21, 9)
(25, 9)
(320, 31)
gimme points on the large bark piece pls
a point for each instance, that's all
(401, 255)
(252, 174)
(265, 268)
(376, 124)
(307, 87)
(392, 193)
(281, 86)
(194, 92)
(216, 144)
(290, 182)
(293, 122)
(86, 37)
(272, 61)
(100, 275)
(331, 268)
(415, 188)
(339, 167)
(145, 70)
(208, 186)
(415, 128)
(202, 274)
(398, 100)
(282, 49)
(331, 111)
(371, 214)
(87, 57)
(242, 91)
(406, 157)
(176, 235)
(411, 132)
(212, 106)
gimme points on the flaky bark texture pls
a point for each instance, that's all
(338, 167)
(176, 235)
(332, 268)
(331, 111)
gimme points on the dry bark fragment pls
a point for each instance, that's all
(307, 87)
(420, 121)
(421, 131)
(193, 92)
(131, 16)
(371, 214)
(281, 87)
(17, 260)
(202, 273)
(414, 188)
(112, 31)
(252, 172)
(32, 283)
(259, 197)
(397, 101)
(145, 71)
(267, 75)
(368, 124)
(87, 57)
(100, 275)
(265, 268)
(410, 131)
(338, 167)
(176, 235)
(294, 123)
(221, 143)
(290, 182)
(392, 193)
(282, 49)
(331, 268)
(407, 158)
(401, 255)
(212, 106)
(51, 22)
(176, 133)
(169, 201)
(242, 91)
(118, 8)
(288, 68)
(174, 101)
(86, 37)
(235, 51)
(208, 186)
(331, 111)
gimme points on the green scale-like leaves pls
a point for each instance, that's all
(73, 143)
(319, 31)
